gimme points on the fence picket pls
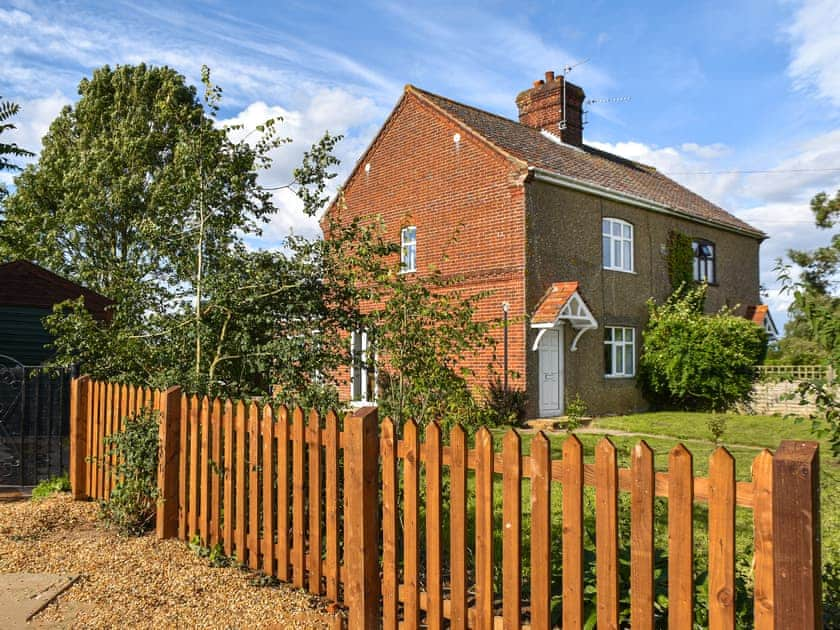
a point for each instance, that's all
(762, 477)
(298, 498)
(484, 529)
(540, 532)
(108, 458)
(315, 503)
(680, 538)
(411, 517)
(215, 471)
(434, 554)
(194, 464)
(90, 442)
(241, 484)
(721, 540)
(331, 465)
(458, 528)
(572, 533)
(204, 471)
(512, 529)
(182, 461)
(282, 434)
(268, 489)
(641, 537)
(228, 508)
(606, 533)
(253, 486)
(390, 519)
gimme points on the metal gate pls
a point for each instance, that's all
(34, 423)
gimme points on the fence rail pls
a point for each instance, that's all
(407, 529)
(793, 372)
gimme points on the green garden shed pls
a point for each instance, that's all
(27, 294)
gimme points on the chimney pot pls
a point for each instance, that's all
(538, 83)
(549, 76)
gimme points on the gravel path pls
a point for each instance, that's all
(138, 582)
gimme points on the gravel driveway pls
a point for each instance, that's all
(138, 582)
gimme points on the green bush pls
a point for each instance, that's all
(59, 483)
(695, 361)
(507, 404)
(575, 411)
(132, 504)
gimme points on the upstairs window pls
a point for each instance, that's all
(704, 261)
(408, 249)
(617, 242)
(619, 351)
(363, 370)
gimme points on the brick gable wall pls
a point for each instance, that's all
(467, 202)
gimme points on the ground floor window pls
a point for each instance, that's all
(619, 351)
(363, 370)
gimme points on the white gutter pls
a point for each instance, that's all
(576, 184)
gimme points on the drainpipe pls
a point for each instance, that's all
(505, 309)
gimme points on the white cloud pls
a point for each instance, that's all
(687, 164)
(816, 48)
(334, 110)
(34, 120)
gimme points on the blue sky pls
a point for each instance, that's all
(715, 88)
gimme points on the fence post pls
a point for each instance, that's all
(361, 460)
(796, 533)
(168, 463)
(79, 392)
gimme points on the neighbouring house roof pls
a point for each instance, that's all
(585, 164)
(760, 314)
(23, 283)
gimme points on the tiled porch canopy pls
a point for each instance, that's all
(760, 314)
(562, 303)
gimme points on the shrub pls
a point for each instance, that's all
(59, 483)
(132, 504)
(696, 361)
(575, 411)
(717, 426)
(506, 403)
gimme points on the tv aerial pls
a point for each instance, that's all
(601, 101)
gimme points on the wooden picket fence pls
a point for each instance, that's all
(347, 509)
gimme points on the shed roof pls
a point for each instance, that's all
(23, 283)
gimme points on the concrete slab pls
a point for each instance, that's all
(22, 595)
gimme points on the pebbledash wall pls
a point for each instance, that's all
(564, 244)
(468, 204)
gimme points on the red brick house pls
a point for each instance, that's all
(571, 238)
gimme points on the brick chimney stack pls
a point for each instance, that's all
(541, 107)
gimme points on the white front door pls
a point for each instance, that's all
(551, 373)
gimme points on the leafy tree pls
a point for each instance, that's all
(696, 361)
(423, 334)
(9, 150)
(680, 260)
(816, 316)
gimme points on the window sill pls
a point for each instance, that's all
(631, 272)
(407, 271)
(619, 377)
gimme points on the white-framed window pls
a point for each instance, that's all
(617, 243)
(619, 351)
(704, 261)
(363, 369)
(408, 249)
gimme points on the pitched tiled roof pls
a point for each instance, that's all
(553, 301)
(585, 164)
